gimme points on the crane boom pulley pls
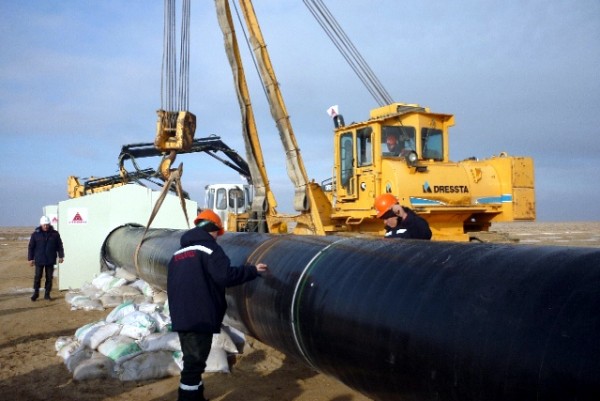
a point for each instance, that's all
(176, 126)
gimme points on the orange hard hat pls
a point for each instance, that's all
(211, 216)
(383, 203)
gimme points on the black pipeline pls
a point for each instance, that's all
(412, 320)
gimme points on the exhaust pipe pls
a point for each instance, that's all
(411, 320)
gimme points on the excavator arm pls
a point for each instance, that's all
(212, 145)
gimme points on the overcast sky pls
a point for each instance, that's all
(81, 78)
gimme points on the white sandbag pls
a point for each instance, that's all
(119, 348)
(81, 332)
(222, 340)
(168, 341)
(124, 291)
(217, 361)
(68, 350)
(123, 273)
(148, 290)
(139, 284)
(77, 357)
(148, 307)
(144, 287)
(137, 325)
(82, 302)
(160, 297)
(120, 311)
(71, 294)
(62, 341)
(166, 310)
(97, 366)
(178, 357)
(102, 279)
(163, 322)
(115, 282)
(238, 338)
(111, 301)
(141, 299)
(137, 332)
(98, 334)
(91, 291)
(148, 366)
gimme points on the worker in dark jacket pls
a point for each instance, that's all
(197, 276)
(45, 245)
(400, 221)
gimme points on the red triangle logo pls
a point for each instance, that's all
(77, 219)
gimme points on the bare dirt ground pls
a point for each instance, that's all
(31, 370)
(586, 234)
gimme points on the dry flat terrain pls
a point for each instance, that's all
(30, 369)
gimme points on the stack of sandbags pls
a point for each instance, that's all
(134, 342)
(111, 288)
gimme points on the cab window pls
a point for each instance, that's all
(397, 141)
(346, 159)
(432, 144)
(364, 146)
(210, 198)
(221, 203)
(236, 198)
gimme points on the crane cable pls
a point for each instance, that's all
(169, 90)
(169, 102)
(174, 180)
(348, 51)
(184, 72)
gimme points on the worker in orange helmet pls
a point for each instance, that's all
(400, 221)
(197, 276)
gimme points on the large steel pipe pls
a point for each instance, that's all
(413, 320)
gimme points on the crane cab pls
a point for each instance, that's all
(403, 149)
(227, 199)
(397, 137)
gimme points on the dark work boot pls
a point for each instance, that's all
(201, 394)
(191, 395)
(35, 296)
(47, 297)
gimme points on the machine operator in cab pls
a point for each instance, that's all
(400, 221)
(393, 146)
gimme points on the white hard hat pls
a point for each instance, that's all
(44, 220)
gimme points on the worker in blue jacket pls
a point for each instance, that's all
(45, 245)
(197, 276)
